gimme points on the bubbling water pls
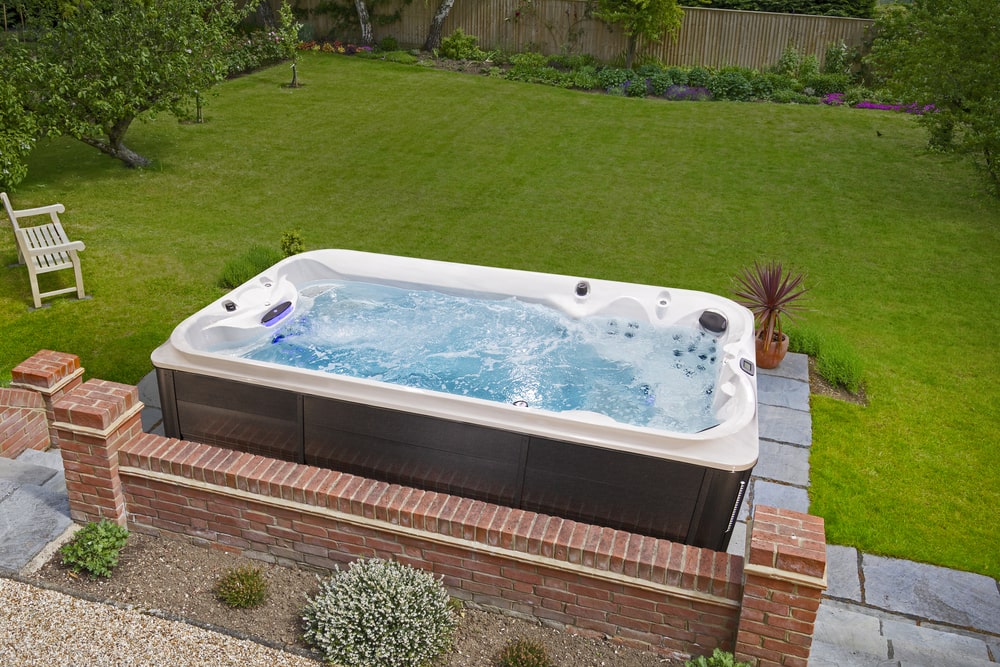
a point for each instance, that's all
(502, 350)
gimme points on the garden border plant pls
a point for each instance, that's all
(95, 548)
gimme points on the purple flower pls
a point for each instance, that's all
(835, 99)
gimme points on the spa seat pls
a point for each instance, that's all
(45, 248)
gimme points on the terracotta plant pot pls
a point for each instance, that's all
(776, 351)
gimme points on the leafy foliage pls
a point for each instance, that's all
(459, 46)
(944, 53)
(242, 587)
(523, 653)
(380, 613)
(719, 658)
(836, 359)
(17, 136)
(648, 20)
(292, 243)
(769, 292)
(94, 549)
(862, 9)
(90, 73)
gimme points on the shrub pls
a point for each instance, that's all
(585, 78)
(786, 96)
(824, 84)
(94, 549)
(659, 82)
(699, 77)
(678, 75)
(291, 242)
(572, 62)
(719, 658)
(523, 653)
(380, 613)
(682, 93)
(388, 43)
(837, 59)
(788, 63)
(614, 77)
(240, 269)
(242, 587)
(459, 46)
(635, 87)
(731, 84)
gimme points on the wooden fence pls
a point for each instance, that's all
(708, 37)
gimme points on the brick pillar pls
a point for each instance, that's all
(22, 422)
(51, 374)
(784, 578)
(93, 422)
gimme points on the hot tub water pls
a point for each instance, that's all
(504, 350)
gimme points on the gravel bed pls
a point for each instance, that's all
(45, 627)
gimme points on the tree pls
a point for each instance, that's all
(17, 135)
(437, 23)
(946, 53)
(641, 19)
(103, 63)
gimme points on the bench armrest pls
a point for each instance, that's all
(49, 249)
(39, 210)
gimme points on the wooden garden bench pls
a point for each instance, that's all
(45, 248)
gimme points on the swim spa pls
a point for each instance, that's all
(264, 370)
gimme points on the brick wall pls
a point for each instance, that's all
(677, 599)
(22, 422)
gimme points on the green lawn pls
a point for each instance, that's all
(900, 246)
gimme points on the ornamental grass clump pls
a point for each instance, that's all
(380, 613)
(242, 587)
(523, 653)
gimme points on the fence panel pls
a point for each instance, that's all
(708, 37)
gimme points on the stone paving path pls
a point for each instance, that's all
(877, 612)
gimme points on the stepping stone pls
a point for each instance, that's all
(24, 474)
(912, 644)
(783, 463)
(935, 593)
(794, 367)
(784, 425)
(780, 495)
(783, 392)
(842, 576)
(30, 518)
(50, 458)
(850, 630)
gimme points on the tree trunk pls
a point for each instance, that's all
(437, 23)
(630, 53)
(265, 15)
(115, 146)
(367, 35)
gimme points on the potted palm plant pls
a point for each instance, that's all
(769, 292)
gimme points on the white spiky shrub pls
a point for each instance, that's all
(380, 613)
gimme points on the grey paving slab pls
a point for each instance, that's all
(50, 458)
(842, 575)
(784, 425)
(149, 392)
(30, 518)
(794, 366)
(852, 630)
(783, 392)
(7, 487)
(738, 542)
(783, 463)
(780, 495)
(152, 418)
(918, 645)
(935, 593)
(23, 474)
(831, 655)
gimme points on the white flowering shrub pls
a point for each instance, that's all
(380, 613)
